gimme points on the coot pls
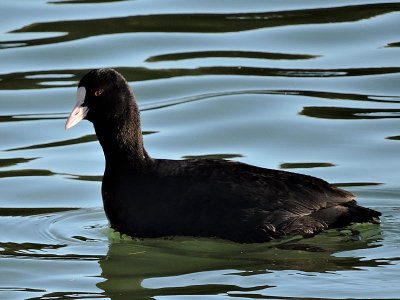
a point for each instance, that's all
(146, 197)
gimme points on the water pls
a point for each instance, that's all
(310, 86)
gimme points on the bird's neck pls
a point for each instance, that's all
(122, 143)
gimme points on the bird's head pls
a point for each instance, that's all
(102, 94)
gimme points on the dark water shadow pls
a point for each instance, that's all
(96, 178)
(32, 211)
(330, 112)
(26, 173)
(394, 44)
(8, 162)
(394, 138)
(45, 173)
(342, 96)
(83, 1)
(43, 251)
(83, 139)
(229, 54)
(80, 140)
(305, 165)
(61, 295)
(213, 156)
(32, 80)
(11, 249)
(356, 184)
(30, 117)
(129, 262)
(199, 23)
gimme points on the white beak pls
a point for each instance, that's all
(79, 111)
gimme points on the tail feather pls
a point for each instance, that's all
(331, 217)
(347, 213)
(360, 214)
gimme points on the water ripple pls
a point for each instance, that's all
(63, 233)
(228, 22)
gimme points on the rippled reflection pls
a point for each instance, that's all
(152, 268)
(202, 22)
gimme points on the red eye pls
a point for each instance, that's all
(98, 93)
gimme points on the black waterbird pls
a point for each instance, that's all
(147, 197)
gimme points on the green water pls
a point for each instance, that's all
(312, 87)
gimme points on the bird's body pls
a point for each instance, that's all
(146, 197)
(231, 200)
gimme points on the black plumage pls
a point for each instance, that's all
(146, 197)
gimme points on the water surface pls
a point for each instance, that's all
(308, 87)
